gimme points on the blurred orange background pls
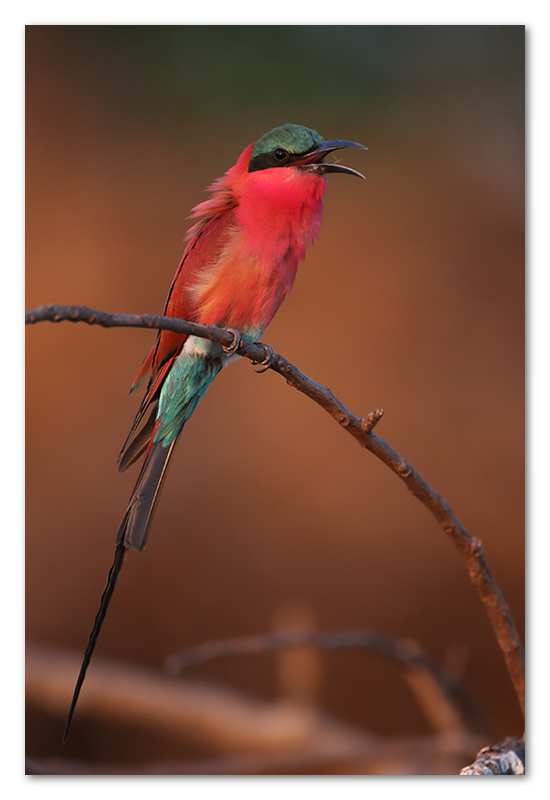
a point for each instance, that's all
(412, 300)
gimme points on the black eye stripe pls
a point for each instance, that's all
(278, 157)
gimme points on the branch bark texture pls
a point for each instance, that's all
(361, 428)
(505, 758)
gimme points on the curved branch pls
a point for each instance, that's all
(362, 430)
(453, 706)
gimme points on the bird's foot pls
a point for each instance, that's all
(268, 360)
(232, 348)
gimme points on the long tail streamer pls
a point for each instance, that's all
(114, 572)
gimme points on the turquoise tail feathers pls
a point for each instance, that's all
(182, 391)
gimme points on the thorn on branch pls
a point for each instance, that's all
(372, 419)
(404, 469)
(476, 548)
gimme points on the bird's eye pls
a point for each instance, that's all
(280, 154)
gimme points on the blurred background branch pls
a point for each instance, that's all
(239, 734)
(438, 693)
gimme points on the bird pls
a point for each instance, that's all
(238, 266)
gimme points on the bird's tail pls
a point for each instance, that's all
(134, 527)
(131, 533)
(116, 566)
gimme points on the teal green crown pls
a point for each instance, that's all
(295, 139)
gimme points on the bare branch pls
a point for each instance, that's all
(51, 313)
(361, 429)
(505, 758)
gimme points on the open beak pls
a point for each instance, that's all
(313, 161)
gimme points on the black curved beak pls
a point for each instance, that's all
(313, 161)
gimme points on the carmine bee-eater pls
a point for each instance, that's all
(237, 268)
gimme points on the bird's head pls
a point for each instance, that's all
(295, 146)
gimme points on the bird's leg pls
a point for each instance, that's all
(268, 360)
(232, 348)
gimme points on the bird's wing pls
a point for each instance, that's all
(207, 240)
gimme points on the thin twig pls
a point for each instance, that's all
(361, 429)
(408, 653)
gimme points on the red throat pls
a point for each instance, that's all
(279, 207)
